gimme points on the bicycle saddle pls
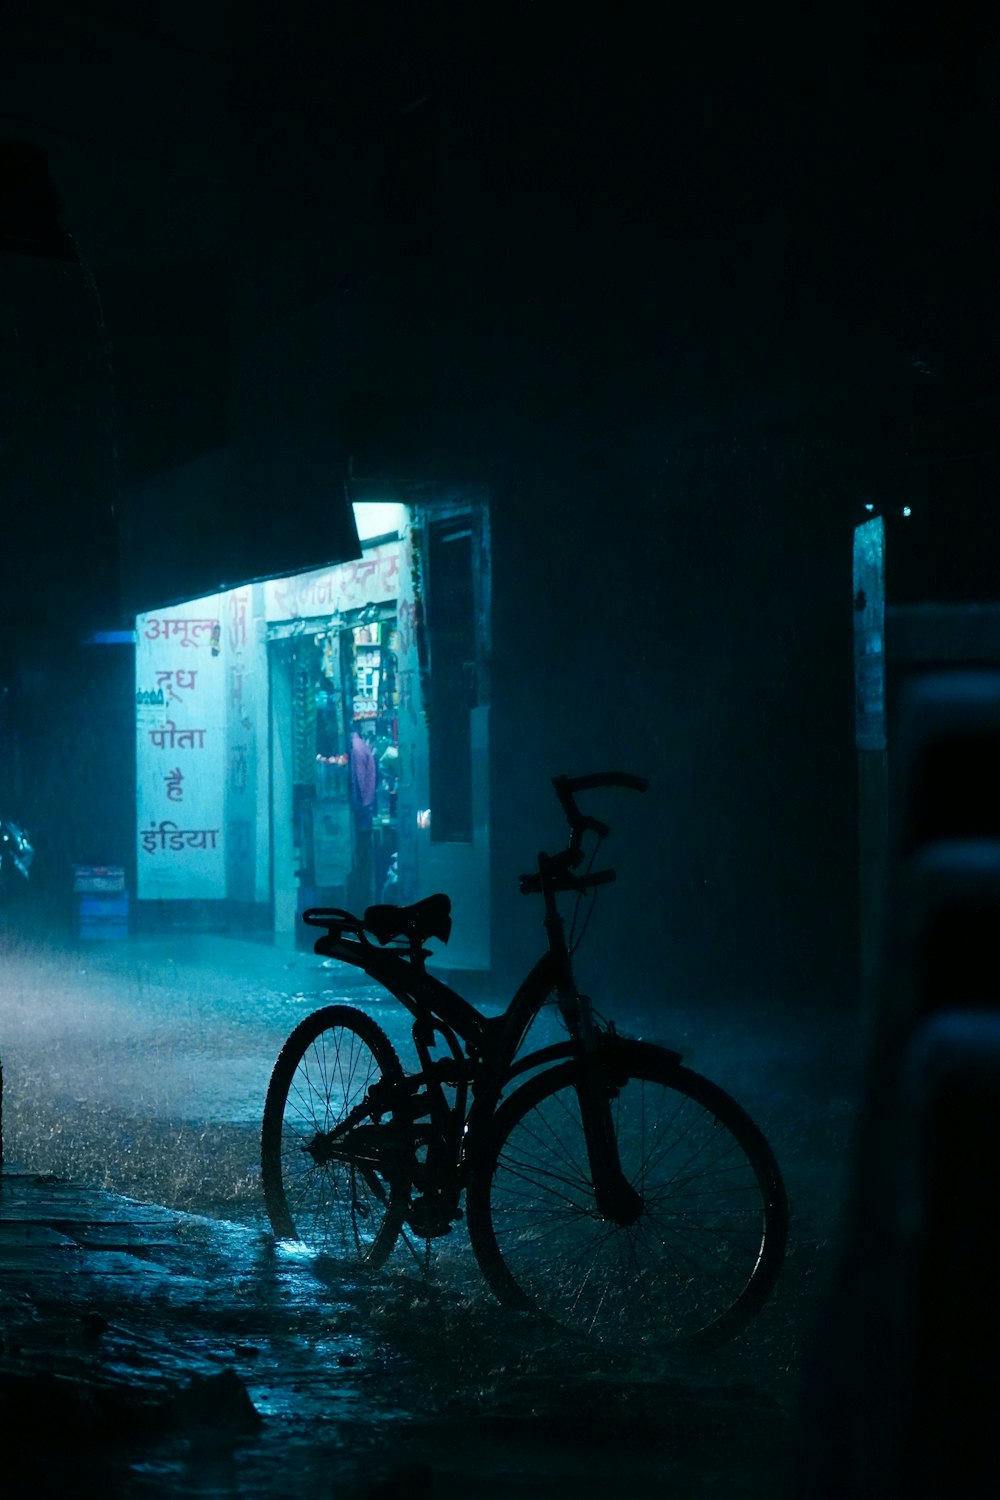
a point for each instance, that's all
(428, 918)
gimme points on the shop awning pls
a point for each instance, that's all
(263, 508)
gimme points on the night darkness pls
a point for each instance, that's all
(684, 289)
(685, 292)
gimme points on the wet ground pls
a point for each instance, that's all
(173, 1347)
(159, 1354)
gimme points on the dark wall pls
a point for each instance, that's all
(696, 630)
(687, 289)
(76, 797)
(167, 328)
(58, 478)
(695, 289)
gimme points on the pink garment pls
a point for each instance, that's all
(364, 773)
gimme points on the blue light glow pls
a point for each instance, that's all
(111, 638)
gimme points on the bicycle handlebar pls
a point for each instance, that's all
(602, 778)
(557, 867)
(567, 786)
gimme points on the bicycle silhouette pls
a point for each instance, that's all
(607, 1188)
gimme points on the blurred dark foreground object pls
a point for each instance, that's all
(30, 221)
(901, 1393)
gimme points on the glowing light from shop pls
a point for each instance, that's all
(378, 518)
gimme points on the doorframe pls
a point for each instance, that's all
(463, 869)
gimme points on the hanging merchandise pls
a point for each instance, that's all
(303, 714)
(331, 738)
(330, 725)
(367, 671)
(327, 644)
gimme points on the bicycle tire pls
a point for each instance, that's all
(348, 1206)
(705, 1252)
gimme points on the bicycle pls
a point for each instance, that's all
(607, 1188)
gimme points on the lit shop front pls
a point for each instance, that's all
(322, 739)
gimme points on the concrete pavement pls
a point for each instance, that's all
(151, 1353)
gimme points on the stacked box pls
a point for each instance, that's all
(101, 902)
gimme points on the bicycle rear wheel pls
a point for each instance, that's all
(326, 1158)
(703, 1254)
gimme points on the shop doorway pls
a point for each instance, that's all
(335, 756)
(379, 725)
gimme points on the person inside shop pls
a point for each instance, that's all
(364, 777)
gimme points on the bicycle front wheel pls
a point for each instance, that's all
(326, 1157)
(707, 1246)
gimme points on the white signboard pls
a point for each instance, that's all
(181, 752)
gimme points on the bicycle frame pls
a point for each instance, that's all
(491, 1045)
(488, 1062)
(536, 1147)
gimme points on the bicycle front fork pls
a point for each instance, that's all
(616, 1198)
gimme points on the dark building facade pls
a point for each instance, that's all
(680, 295)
